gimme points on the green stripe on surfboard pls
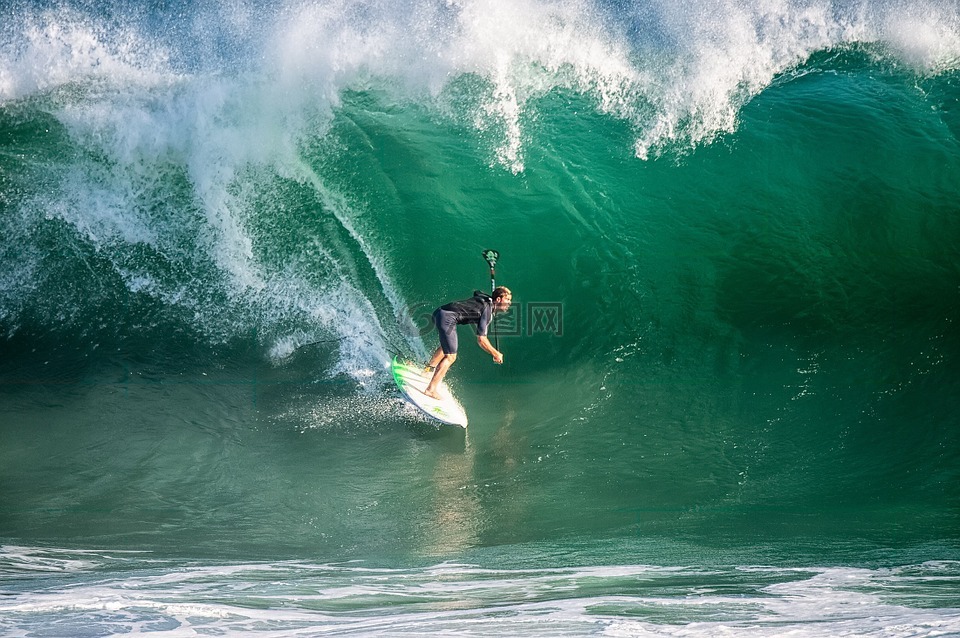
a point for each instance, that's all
(411, 380)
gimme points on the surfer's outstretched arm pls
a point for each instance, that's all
(485, 344)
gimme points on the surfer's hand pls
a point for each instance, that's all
(498, 358)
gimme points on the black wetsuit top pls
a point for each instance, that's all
(478, 309)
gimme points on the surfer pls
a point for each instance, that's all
(479, 309)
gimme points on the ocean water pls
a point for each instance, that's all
(729, 398)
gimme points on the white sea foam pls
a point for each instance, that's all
(45, 50)
(927, 37)
(676, 70)
(680, 75)
(304, 599)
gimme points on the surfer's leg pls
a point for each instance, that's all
(435, 359)
(446, 354)
(438, 374)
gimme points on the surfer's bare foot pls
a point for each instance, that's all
(432, 394)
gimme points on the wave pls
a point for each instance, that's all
(190, 160)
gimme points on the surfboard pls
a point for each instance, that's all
(411, 381)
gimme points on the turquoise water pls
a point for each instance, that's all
(729, 395)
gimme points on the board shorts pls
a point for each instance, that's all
(446, 323)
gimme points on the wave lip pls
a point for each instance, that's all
(677, 72)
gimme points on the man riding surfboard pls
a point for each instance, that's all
(478, 310)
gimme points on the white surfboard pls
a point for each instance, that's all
(412, 382)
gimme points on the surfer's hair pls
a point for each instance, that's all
(501, 291)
